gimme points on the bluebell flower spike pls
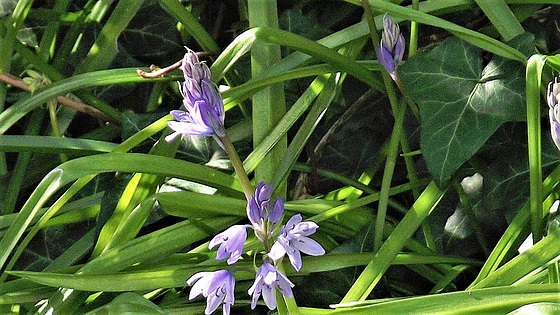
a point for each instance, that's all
(391, 49)
(204, 115)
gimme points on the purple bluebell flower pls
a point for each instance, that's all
(553, 98)
(391, 49)
(268, 279)
(231, 243)
(264, 214)
(204, 115)
(293, 239)
(217, 287)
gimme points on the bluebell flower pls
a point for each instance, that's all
(204, 115)
(553, 98)
(217, 287)
(268, 279)
(293, 239)
(231, 243)
(391, 49)
(264, 214)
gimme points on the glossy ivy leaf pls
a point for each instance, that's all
(6, 7)
(461, 102)
(506, 176)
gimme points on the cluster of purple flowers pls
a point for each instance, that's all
(205, 109)
(265, 217)
(204, 115)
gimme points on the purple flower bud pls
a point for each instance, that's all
(553, 98)
(293, 239)
(268, 279)
(231, 243)
(261, 210)
(216, 286)
(204, 115)
(391, 49)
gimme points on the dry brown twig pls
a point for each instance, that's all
(66, 101)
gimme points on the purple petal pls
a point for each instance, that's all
(231, 243)
(212, 302)
(277, 210)
(179, 115)
(309, 246)
(226, 308)
(269, 296)
(399, 50)
(263, 192)
(295, 259)
(189, 129)
(201, 281)
(254, 212)
(385, 59)
(293, 221)
(277, 251)
(303, 228)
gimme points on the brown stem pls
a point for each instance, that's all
(162, 72)
(159, 73)
(81, 107)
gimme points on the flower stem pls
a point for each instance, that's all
(237, 165)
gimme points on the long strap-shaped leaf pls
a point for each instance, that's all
(243, 43)
(120, 162)
(371, 275)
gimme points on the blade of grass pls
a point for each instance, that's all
(373, 272)
(533, 85)
(501, 17)
(105, 47)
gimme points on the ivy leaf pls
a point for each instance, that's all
(461, 103)
(501, 91)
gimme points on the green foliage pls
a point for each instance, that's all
(100, 214)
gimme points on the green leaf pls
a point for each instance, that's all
(151, 34)
(462, 104)
(486, 301)
(128, 303)
(537, 308)
(48, 144)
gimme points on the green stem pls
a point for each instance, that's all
(269, 104)
(413, 46)
(395, 137)
(533, 77)
(237, 165)
(51, 104)
(388, 176)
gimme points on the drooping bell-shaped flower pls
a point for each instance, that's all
(264, 214)
(293, 239)
(553, 98)
(268, 279)
(231, 243)
(391, 49)
(204, 115)
(216, 286)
